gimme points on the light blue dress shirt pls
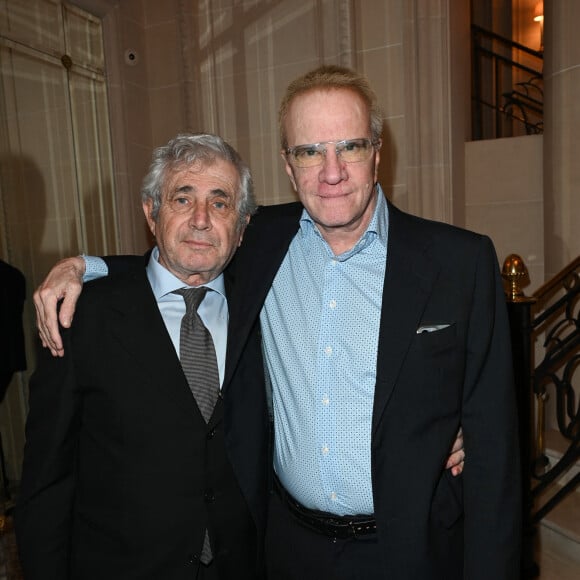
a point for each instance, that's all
(213, 310)
(320, 326)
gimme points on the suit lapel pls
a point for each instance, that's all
(409, 278)
(250, 276)
(137, 325)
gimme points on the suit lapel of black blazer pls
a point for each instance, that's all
(139, 328)
(250, 276)
(409, 278)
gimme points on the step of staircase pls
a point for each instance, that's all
(558, 550)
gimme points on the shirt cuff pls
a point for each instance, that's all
(95, 268)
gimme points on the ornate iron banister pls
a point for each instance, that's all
(552, 313)
(500, 94)
(556, 316)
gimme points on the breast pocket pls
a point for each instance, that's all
(434, 370)
(436, 340)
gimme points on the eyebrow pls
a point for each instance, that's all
(184, 189)
(218, 192)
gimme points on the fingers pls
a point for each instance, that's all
(67, 308)
(456, 462)
(458, 443)
(45, 303)
(457, 470)
(64, 282)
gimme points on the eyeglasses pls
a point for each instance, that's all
(349, 151)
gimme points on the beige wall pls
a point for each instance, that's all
(223, 67)
(562, 134)
(504, 198)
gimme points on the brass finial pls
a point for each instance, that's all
(515, 273)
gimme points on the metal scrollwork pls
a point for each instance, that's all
(557, 316)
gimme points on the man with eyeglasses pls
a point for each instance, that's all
(382, 334)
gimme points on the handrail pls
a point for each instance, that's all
(498, 110)
(544, 292)
(553, 314)
(508, 42)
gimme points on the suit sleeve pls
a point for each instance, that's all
(120, 264)
(491, 478)
(43, 510)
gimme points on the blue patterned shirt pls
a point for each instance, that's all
(320, 326)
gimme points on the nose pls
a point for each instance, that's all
(333, 168)
(200, 218)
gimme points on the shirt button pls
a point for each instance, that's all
(328, 350)
(325, 400)
(332, 303)
(325, 450)
(209, 496)
(333, 496)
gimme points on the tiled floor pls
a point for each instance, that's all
(554, 566)
(559, 536)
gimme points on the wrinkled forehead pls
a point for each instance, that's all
(207, 172)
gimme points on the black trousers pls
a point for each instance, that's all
(294, 552)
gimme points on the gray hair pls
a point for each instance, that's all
(189, 148)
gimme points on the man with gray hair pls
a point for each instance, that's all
(130, 470)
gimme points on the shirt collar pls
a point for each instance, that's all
(163, 282)
(378, 228)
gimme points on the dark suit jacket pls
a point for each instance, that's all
(121, 474)
(430, 525)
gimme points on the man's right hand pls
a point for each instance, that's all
(64, 282)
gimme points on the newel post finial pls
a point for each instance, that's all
(515, 273)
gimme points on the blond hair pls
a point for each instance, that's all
(332, 77)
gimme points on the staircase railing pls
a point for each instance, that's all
(507, 86)
(551, 319)
(556, 317)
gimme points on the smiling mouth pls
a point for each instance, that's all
(333, 195)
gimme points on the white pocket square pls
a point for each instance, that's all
(431, 328)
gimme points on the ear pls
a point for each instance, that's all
(378, 159)
(243, 229)
(148, 210)
(289, 171)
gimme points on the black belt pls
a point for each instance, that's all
(330, 525)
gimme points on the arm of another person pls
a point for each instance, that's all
(491, 483)
(63, 285)
(46, 495)
(65, 281)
